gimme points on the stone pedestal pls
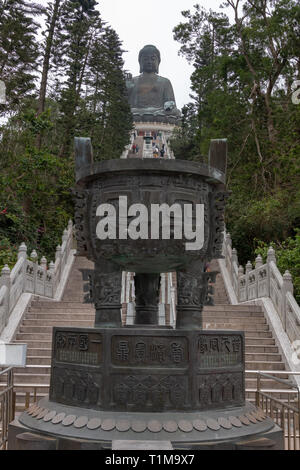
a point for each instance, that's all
(185, 387)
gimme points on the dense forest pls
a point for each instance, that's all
(63, 71)
(246, 64)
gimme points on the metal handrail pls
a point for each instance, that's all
(287, 415)
(2, 372)
(7, 406)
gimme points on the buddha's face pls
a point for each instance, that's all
(149, 62)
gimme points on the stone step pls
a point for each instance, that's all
(24, 337)
(86, 313)
(273, 357)
(36, 379)
(251, 383)
(76, 298)
(233, 308)
(261, 349)
(32, 352)
(35, 323)
(59, 316)
(259, 316)
(53, 304)
(62, 310)
(37, 330)
(36, 343)
(264, 365)
(241, 309)
(257, 334)
(38, 360)
(33, 369)
(237, 325)
(254, 341)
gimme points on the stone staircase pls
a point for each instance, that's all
(220, 294)
(36, 330)
(140, 142)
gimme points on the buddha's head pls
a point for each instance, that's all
(149, 59)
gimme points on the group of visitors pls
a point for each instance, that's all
(135, 148)
(157, 151)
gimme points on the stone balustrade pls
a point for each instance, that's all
(30, 276)
(168, 152)
(128, 147)
(264, 280)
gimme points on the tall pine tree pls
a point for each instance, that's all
(110, 119)
(19, 50)
(74, 38)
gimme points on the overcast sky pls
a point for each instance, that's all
(141, 22)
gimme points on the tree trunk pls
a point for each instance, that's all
(46, 66)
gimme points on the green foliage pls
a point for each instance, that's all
(81, 92)
(243, 71)
(287, 258)
(18, 50)
(8, 253)
(35, 198)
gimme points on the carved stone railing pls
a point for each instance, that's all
(128, 147)
(30, 276)
(168, 152)
(264, 280)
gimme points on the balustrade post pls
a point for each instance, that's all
(58, 256)
(70, 236)
(271, 255)
(234, 257)
(240, 274)
(64, 252)
(34, 258)
(228, 239)
(258, 262)
(234, 262)
(44, 263)
(22, 253)
(287, 286)
(228, 254)
(258, 265)
(247, 271)
(6, 281)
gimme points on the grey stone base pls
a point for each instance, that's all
(50, 425)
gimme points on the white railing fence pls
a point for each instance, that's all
(128, 147)
(168, 152)
(264, 280)
(31, 276)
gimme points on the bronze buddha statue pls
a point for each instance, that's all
(151, 97)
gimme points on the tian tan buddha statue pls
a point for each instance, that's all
(151, 97)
